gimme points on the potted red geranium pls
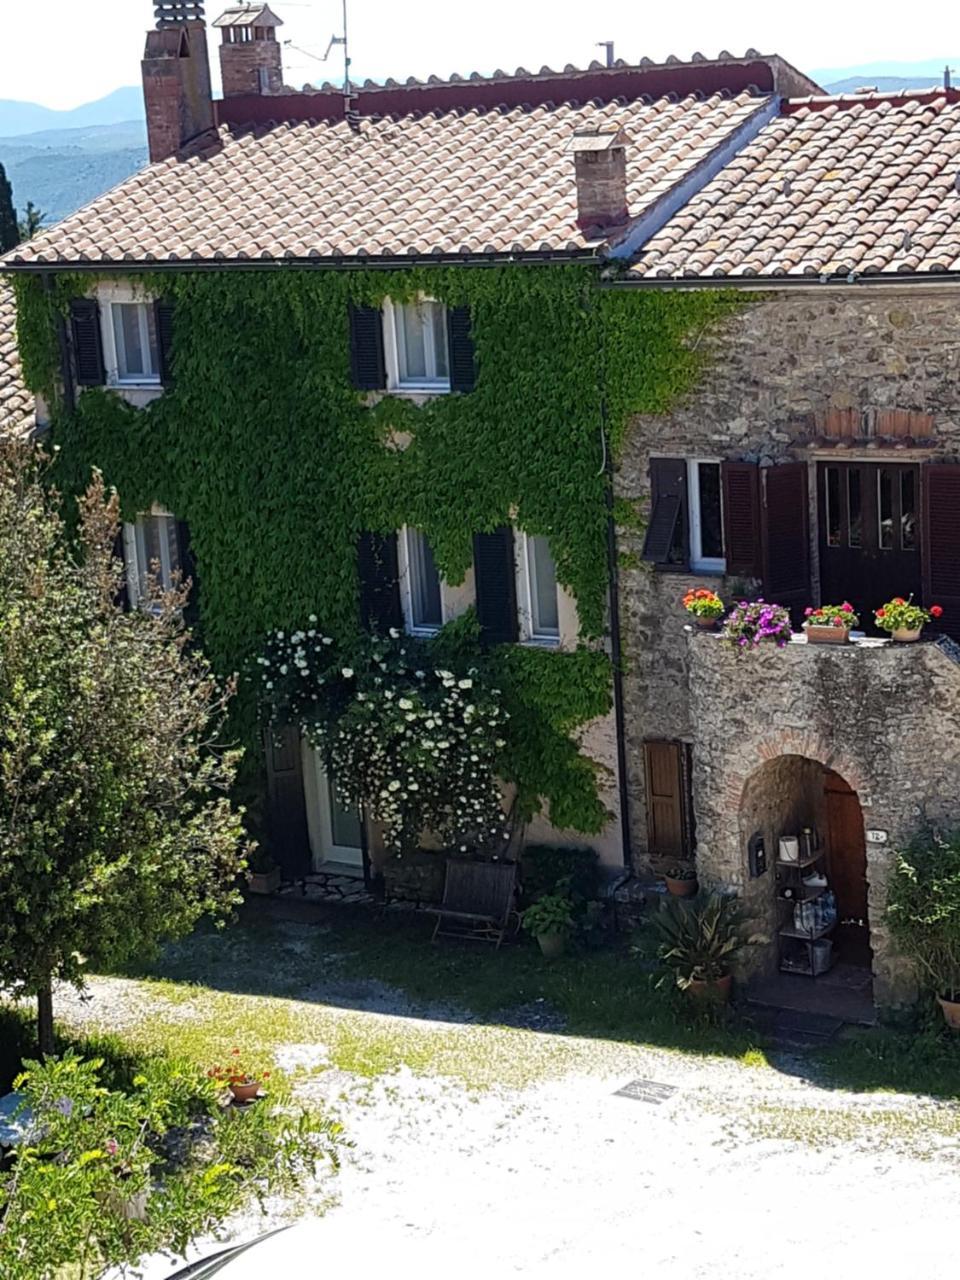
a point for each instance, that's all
(243, 1079)
(904, 619)
(830, 623)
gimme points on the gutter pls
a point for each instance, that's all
(892, 282)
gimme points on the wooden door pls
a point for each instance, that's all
(847, 869)
(869, 524)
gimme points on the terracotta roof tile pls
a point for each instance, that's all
(498, 181)
(841, 186)
(16, 402)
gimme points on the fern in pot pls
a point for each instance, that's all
(550, 920)
(699, 941)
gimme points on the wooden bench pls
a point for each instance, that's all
(479, 901)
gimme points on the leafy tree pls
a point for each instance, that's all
(115, 827)
(9, 231)
(31, 222)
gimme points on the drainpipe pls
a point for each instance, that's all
(66, 368)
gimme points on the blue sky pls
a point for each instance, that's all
(64, 52)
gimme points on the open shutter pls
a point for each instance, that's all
(163, 313)
(496, 579)
(123, 590)
(463, 371)
(941, 544)
(188, 570)
(379, 571)
(87, 342)
(288, 836)
(367, 367)
(741, 517)
(669, 802)
(785, 524)
(666, 542)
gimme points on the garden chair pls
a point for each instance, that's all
(479, 901)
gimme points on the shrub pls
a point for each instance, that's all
(546, 867)
(751, 623)
(923, 910)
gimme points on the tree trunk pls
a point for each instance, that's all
(45, 1019)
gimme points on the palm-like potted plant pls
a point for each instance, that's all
(699, 941)
(923, 911)
(550, 920)
(904, 619)
(681, 881)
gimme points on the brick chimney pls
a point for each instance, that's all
(251, 60)
(600, 165)
(176, 77)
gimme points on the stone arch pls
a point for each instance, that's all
(795, 742)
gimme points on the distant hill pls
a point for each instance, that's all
(884, 84)
(18, 118)
(889, 77)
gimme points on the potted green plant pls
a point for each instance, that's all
(699, 941)
(681, 881)
(244, 1079)
(550, 920)
(923, 912)
(263, 875)
(704, 606)
(904, 619)
(830, 623)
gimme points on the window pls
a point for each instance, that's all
(424, 606)
(541, 591)
(135, 342)
(706, 517)
(151, 549)
(417, 345)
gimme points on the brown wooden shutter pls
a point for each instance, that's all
(87, 342)
(463, 372)
(667, 542)
(367, 367)
(941, 544)
(378, 568)
(495, 573)
(163, 315)
(741, 518)
(785, 523)
(288, 836)
(669, 801)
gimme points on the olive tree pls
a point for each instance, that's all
(116, 830)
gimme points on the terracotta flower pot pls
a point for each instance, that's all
(717, 989)
(826, 635)
(951, 1012)
(706, 624)
(264, 881)
(681, 888)
(552, 945)
(245, 1091)
(904, 635)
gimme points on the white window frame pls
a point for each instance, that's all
(407, 561)
(132, 557)
(392, 313)
(529, 631)
(110, 295)
(699, 563)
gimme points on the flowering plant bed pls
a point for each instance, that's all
(830, 623)
(904, 619)
(705, 606)
(754, 622)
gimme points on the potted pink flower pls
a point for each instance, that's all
(830, 623)
(904, 619)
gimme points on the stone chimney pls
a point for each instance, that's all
(176, 77)
(251, 60)
(600, 166)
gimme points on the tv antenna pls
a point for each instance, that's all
(334, 41)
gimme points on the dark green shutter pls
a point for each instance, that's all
(367, 367)
(87, 342)
(288, 837)
(463, 371)
(666, 542)
(123, 592)
(379, 572)
(188, 570)
(163, 313)
(496, 585)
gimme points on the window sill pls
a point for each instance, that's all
(541, 642)
(420, 389)
(142, 384)
(423, 633)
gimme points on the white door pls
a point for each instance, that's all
(335, 834)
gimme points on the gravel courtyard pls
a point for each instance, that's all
(493, 1149)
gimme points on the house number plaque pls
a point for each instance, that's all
(876, 837)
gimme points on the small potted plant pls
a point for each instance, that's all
(264, 875)
(751, 623)
(698, 943)
(705, 607)
(830, 623)
(681, 881)
(243, 1079)
(550, 920)
(904, 619)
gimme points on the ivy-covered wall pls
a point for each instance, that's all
(277, 464)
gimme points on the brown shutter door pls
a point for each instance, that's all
(785, 521)
(941, 544)
(666, 542)
(287, 834)
(741, 517)
(669, 825)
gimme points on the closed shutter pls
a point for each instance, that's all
(741, 518)
(669, 800)
(463, 372)
(188, 572)
(941, 544)
(495, 572)
(288, 837)
(666, 542)
(379, 573)
(163, 313)
(87, 342)
(367, 367)
(785, 524)
(123, 589)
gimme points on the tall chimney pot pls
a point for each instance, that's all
(251, 57)
(600, 167)
(177, 94)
